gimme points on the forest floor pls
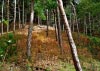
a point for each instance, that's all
(45, 52)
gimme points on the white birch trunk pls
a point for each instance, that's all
(8, 16)
(71, 41)
(23, 16)
(2, 17)
(30, 31)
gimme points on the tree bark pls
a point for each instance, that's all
(75, 17)
(23, 19)
(55, 25)
(73, 23)
(2, 17)
(59, 30)
(8, 15)
(14, 17)
(93, 20)
(70, 21)
(30, 31)
(85, 26)
(71, 41)
(19, 15)
(47, 21)
(38, 20)
(90, 24)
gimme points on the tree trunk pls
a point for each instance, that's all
(55, 23)
(90, 24)
(71, 41)
(23, 24)
(8, 15)
(14, 17)
(70, 21)
(25, 18)
(2, 17)
(75, 17)
(30, 31)
(73, 23)
(47, 20)
(85, 26)
(19, 15)
(38, 20)
(93, 24)
(59, 30)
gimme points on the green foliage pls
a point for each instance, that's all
(95, 41)
(67, 67)
(86, 6)
(48, 69)
(41, 6)
(5, 21)
(68, 11)
(82, 8)
(7, 46)
(39, 9)
(51, 4)
(96, 1)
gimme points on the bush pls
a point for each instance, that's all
(95, 41)
(7, 46)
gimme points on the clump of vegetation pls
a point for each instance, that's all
(7, 46)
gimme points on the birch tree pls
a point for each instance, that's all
(8, 12)
(23, 19)
(75, 16)
(30, 30)
(2, 17)
(71, 41)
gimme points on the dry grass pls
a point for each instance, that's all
(45, 50)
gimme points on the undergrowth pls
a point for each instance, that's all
(46, 48)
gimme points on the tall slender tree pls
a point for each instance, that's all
(75, 16)
(90, 24)
(85, 26)
(23, 19)
(55, 25)
(8, 12)
(19, 14)
(2, 16)
(30, 30)
(59, 30)
(47, 19)
(71, 41)
(14, 28)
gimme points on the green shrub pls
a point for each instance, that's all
(94, 41)
(7, 45)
